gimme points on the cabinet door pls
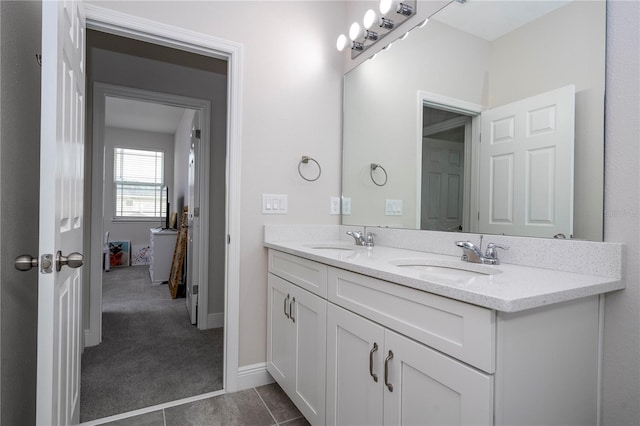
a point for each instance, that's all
(354, 369)
(280, 332)
(309, 317)
(430, 388)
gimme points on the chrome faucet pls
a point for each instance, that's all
(473, 254)
(360, 238)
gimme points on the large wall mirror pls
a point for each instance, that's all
(488, 119)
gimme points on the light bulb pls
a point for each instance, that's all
(370, 18)
(341, 43)
(385, 6)
(355, 32)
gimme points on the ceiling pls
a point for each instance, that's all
(490, 20)
(141, 115)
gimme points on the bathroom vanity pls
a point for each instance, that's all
(385, 335)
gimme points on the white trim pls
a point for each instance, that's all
(179, 38)
(215, 320)
(251, 376)
(100, 92)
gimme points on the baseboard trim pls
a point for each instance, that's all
(250, 376)
(215, 320)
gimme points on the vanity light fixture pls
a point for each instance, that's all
(363, 37)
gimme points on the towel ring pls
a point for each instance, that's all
(305, 160)
(375, 166)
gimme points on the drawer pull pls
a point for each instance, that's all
(374, 349)
(286, 314)
(291, 309)
(386, 371)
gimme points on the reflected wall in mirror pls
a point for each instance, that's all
(417, 110)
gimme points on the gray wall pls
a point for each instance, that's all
(19, 183)
(130, 63)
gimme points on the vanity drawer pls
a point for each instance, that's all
(463, 331)
(310, 275)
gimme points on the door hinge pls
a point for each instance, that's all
(478, 215)
(198, 133)
(194, 289)
(228, 239)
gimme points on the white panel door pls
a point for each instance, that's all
(194, 231)
(526, 166)
(354, 369)
(442, 185)
(425, 387)
(61, 211)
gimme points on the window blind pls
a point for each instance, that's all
(138, 179)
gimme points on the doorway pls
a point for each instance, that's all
(224, 139)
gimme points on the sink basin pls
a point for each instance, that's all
(447, 268)
(330, 246)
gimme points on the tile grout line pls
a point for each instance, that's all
(265, 406)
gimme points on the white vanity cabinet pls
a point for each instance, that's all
(296, 330)
(397, 379)
(376, 377)
(399, 355)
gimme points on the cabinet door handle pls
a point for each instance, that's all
(286, 314)
(291, 309)
(386, 371)
(374, 375)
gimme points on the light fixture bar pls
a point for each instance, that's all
(391, 15)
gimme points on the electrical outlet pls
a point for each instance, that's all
(334, 205)
(346, 205)
(274, 204)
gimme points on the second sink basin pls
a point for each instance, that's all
(446, 268)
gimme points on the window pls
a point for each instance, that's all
(138, 182)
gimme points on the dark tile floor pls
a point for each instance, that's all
(264, 405)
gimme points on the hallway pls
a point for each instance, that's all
(150, 353)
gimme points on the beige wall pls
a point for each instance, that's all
(291, 107)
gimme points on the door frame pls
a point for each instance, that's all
(105, 20)
(101, 91)
(471, 152)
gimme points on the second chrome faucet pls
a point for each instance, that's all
(361, 239)
(472, 253)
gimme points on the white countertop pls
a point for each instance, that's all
(514, 288)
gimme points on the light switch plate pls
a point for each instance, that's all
(346, 205)
(334, 205)
(274, 204)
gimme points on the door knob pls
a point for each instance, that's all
(74, 260)
(26, 262)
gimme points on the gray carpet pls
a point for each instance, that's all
(150, 353)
